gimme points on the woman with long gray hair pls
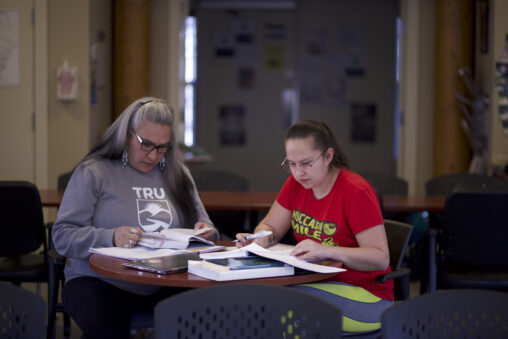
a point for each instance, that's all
(132, 181)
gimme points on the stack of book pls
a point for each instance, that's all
(252, 261)
(239, 268)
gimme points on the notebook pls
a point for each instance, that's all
(164, 265)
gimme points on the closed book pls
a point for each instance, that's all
(226, 271)
(246, 263)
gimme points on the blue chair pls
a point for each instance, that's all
(449, 314)
(246, 311)
(22, 313)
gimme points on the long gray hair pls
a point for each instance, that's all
(116, 139)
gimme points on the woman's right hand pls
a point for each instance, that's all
(127, 236)
(242, 241)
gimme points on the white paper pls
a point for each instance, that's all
(278, 252)
(175, 238)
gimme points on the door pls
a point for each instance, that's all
(17, 130)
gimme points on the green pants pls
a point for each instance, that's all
(361, 310)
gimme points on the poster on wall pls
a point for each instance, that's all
(275, 57)
(244, 31)
(363, 122)
(246, 78)
(232, 130)
(224, 45)
(9, 49)
(274, 31)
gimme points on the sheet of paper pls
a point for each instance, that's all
(278, 252)
(291, 260)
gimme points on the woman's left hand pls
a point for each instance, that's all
(309, 249)
(207, 235)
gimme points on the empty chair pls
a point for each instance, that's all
(22, 313)
(444, 184)
(228, 222)
(246, 311)
(56, 265)
(63, 180)
(385, 183)
(470, 250)
(23, 233)
(449, 314)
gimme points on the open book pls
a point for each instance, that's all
(174, 238)
(277, 252)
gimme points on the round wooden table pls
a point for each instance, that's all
(112, 268)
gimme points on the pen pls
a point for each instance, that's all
(260, 234)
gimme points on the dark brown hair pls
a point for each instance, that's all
(323, 139)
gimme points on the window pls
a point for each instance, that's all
(190, 62)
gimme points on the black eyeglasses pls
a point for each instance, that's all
(148, 146)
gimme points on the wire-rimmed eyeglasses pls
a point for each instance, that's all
(148, 146)
(291, 166)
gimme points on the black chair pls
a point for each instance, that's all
(246, 311)
(397, 234)
(227, 222)
(444, 184)
(56, 265)
(22, 313)
(449, 314)
(385, 183)
(23, 233)
(471, 250)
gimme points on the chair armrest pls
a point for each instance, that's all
(56, 259)
(402, 276)
(399, 273)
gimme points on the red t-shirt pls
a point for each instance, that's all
(351, 206)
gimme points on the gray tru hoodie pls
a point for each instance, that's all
(102, 195)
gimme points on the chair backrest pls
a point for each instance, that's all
(22, 313)
(63, 180)
(218, 180)
(397, 234)
(444, 184)
(21, 218)
(475, 228)
(385, 183)
(449, 314)
(246, 311)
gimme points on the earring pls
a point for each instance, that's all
(125, 157)
(162, 163)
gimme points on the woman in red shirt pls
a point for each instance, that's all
(334, 214)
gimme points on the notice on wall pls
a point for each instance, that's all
(232, 130)
(363, 122)
(224, 46)
(9, 49)
(275, 57)
(246, 78)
